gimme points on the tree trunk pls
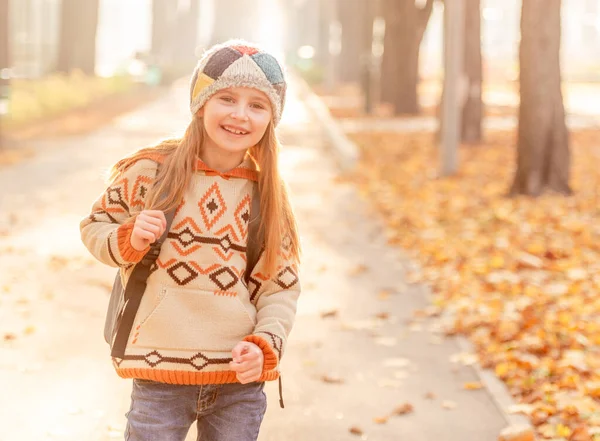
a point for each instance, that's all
(163, 28)
(4, 35)
(233, 21)
(543, 157)
(473, 107)
(77, 43)
(472, 113)
(4, 62)
(322, 50)
(184, 46)
(405, 24)
(354, 16)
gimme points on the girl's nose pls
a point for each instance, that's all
(240, 113)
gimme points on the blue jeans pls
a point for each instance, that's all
(224, 412)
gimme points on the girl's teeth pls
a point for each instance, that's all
(234, 131)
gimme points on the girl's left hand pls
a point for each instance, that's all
(247, 362)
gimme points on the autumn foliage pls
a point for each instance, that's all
(520, 276)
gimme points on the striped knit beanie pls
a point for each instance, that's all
(237, 63)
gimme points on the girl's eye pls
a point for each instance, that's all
(258, 106)
(227, 99)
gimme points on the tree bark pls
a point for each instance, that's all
(5, 61)
(543, 157)
(4, 35)
(233, 21)
(77, 41)
(187, 29)
(405, 24)
(322, 49)
(163, 28)
(471, 131)
(354, 16)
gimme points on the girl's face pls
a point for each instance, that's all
(236, 118)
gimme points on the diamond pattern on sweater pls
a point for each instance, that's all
(114, 196)
(287, 278)
(212, 206)
(224, 278)
(185, 239)
(153, 358)
(139, 191)
(242, 216)
(198, 361)
(182, 273)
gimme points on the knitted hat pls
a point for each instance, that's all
(237, 63)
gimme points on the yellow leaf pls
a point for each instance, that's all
(562, 430)
(380, 420)
(497, 261)
(473, 386)
(29, 330)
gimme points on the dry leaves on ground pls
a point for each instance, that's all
(520, 276)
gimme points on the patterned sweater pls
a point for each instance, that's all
(196, 306)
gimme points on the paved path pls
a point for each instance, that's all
(55, 376)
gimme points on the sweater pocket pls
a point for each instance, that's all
(194, 320)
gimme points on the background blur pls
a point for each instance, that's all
(443, 158)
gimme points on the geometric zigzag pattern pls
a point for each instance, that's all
(198, 361)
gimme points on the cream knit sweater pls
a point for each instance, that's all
(196, 306)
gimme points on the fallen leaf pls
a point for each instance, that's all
(517, 433)
(29, 330)
(358, 270)
(329, 314)
(384, 294)
(331, 379)
(403, 409)
(581, 433)
(381, 420)
(9, 337)
(356, 430)
(430, 396)
(383, 315)
(473, 386)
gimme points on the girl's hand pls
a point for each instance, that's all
(149, 226)
(247, 362)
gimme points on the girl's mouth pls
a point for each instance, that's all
(234, 131)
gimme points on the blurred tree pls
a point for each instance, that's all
(543, 157)
(471, 131)
(187, 31)
(4, 62)
(472, 114)
(322, 48)
(356, 18)
(405, 24)
(77, 41)
(234, 20)
(163, 28)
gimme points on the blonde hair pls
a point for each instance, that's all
(180, 155)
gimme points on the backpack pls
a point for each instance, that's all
(125, 301)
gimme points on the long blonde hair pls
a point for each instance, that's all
(180, 155)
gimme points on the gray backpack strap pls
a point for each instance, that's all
(124, 301)
(256, 236)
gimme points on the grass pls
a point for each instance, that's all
(38, 99)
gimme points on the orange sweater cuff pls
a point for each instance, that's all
(128, 253)
(270, 358)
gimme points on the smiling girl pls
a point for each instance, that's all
(209, 331)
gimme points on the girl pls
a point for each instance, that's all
(204, 341)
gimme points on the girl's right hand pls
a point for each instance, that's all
(149, 226)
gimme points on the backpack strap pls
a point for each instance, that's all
(256, 235)
(136, 285)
